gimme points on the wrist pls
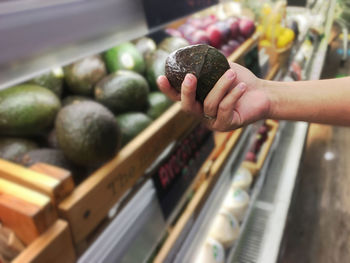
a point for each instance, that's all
(271, 90)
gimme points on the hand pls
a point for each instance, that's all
(237, 99)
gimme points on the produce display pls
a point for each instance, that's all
(204, 61)
(226, 35)
(225, 229)
(242, 179)
(260, 138)
(78, 117)
(236, 203)
(272, 29)
(211, 252)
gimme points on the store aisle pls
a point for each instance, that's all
(318, 229)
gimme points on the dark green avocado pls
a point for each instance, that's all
(87, 133)
(171, 44)
(11, 148)
(124, 57)
(155, 67)
(123, 91)
(52, 80)
(131, 124)
(82, 75)
(158, 103)
(205, 62)
(74, 99)
(145, 45)
(50, 156)
(27, 110)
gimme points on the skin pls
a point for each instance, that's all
(240, 98)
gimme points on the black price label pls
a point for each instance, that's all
(175, 173)
(159, 12)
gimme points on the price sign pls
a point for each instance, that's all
(175, 173)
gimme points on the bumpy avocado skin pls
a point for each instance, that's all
(88, 133)
(27, 110)
(131, 124)
(123, 91)
(205, 62)
(82, 75)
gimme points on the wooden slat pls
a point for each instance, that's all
(255, 167)
(200, 195)
(90, 201)
(54, 246)
(37, 181)
(244, 48)
(25, 211)
(10, 245)
(273, 71)
(64, 177)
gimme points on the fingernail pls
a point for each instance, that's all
(231, 74)
(188, 80)
(242, 86)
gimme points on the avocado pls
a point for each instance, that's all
(82, 75)
(155, 67)
(51, 140)
(27, 110)
(123, 91)
(145, 45)
(124, 56)
(50, 156)
(205, 62)
(88, 133)
(11, 148)
(131, 124)
(52, 80)
(170, 44)
(74, 99)
(158, 103)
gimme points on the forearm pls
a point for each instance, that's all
(321, 101)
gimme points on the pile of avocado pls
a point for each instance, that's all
(78, 117)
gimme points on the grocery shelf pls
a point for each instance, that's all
(134, 233)
(261, 238)
(198, 231)
(41, 36)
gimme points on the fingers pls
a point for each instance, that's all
(227, 116)
(188, 95)
(167, 89)
(218, 92)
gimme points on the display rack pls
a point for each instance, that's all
(41, 36)
(262, 235)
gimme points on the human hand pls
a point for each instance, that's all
(237, 99)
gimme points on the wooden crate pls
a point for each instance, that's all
(54, 245)
(255, 167)
(27, 212)
(86, 205)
